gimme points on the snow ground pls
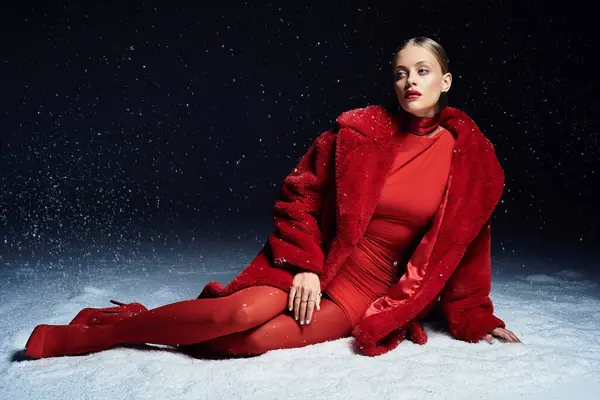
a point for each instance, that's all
(554, 308)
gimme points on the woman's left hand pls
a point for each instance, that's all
(502, 333)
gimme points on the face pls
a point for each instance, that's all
(417, 70)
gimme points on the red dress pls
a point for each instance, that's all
(410, 197)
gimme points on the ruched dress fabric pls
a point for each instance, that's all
(411, 195)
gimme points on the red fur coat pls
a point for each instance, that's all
(325, 206)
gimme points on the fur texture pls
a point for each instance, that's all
(327, 202)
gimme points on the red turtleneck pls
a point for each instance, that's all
(421, 126)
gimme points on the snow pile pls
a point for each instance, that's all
(556, 315)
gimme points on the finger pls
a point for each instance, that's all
(291, 298)
(488, 338)
(507, 336)
(297, 303)
(512, 336)
(310, 306)
(515, 338)
(501, 334)
(303, 304)
(318, 304)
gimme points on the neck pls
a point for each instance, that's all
(421, 126)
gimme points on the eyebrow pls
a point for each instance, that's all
(417, 63)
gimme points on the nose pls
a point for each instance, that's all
(410, 81)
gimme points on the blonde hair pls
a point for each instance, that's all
(434, 47)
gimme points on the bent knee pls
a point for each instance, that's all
(241, 318)
(247, 311)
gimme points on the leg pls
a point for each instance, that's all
(182, 323)
(193, 321)
(283, 332)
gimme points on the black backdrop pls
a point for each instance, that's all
(125, 123)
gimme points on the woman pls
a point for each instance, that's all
(384, 220)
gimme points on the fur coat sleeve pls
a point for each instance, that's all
(465, 300)
(297, 241)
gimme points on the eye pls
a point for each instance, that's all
(400, 74)
(423, 69)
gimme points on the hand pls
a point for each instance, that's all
(305, 295)
(502, 333)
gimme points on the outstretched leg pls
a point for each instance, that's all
(193, 321)
(282, 332)
(182, 323)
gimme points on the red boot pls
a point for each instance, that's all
(60, 340)
(104, 316)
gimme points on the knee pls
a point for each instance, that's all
(241, 318)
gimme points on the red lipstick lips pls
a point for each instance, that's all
(411, 94)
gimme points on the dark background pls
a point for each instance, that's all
(139, 128)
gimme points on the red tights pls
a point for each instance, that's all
(249, 322)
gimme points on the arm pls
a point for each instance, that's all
(465, 299)
(297, 241)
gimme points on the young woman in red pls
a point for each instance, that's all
(384, 219)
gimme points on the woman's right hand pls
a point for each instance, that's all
(305, 295)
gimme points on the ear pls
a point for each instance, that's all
(446, 82)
